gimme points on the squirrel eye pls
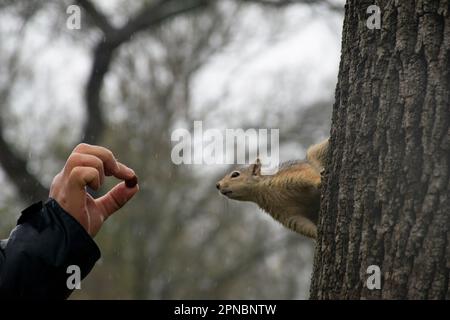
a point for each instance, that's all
(235, 174)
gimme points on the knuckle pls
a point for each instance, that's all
(81, 174)
(75, 176)
(56, 180)
(81, 146)
(98, 163)
(109, 153)
(74, 158)
(76, 172)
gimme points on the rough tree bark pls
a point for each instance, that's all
(386, 194)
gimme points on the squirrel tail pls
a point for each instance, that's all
(317, 155)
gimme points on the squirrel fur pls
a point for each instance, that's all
(291, 196)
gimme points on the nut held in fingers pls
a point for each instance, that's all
(131, 183)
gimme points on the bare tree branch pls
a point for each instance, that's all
(158, 13)
(98, 18)
(95, 123)
(151, 16)
(27, 184)
(29, 187)
(283, 3)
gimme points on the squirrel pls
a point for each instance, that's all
(291, 196)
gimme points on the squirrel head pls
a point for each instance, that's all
(240, 184)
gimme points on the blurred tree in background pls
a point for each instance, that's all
(177, 238)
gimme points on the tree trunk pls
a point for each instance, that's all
(386, 190)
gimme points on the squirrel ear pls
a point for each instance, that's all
(256, 168)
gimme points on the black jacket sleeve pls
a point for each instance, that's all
(34, 260)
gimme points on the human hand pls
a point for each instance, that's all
(87, 166)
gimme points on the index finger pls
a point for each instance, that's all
(124, 172)
(111, 165)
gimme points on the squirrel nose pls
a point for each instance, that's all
(218, 185)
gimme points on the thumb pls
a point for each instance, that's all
(116, 198)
